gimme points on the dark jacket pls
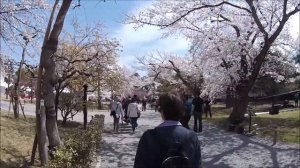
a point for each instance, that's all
(149, 153)
(198, 103)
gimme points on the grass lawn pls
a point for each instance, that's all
(287, 123)
(17, 138)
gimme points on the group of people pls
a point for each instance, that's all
(172, 143)
(195, 106)
(127, 110)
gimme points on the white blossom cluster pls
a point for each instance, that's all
(227, 39)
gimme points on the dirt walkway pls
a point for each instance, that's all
(219, 148)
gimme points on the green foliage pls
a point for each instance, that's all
(114, 81)
(79, 147)
(64, 157)
(69, 105)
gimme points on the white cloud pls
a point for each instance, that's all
(294, 25)
(146, 39)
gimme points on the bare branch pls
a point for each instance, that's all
(190, 11)
(256, 19)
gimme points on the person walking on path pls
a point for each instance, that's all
(207, 108)
(197, 109)
(297, 97)
(133, 113)
(116, 112)
(156, 145)
(144, 104)
(188, 111)
(125, 104)
(156, 105)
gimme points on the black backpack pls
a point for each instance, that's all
(174, 155)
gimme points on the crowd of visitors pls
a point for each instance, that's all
(172, 142)
(128, 110)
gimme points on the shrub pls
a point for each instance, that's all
(69, 105)
(80, 146)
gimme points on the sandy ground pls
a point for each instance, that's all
(219, 148)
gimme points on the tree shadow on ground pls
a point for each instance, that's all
(15, 159)
(221, 149)
(119, 149)
(119, 152)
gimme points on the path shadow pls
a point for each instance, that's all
(221, 149)
(119, 152)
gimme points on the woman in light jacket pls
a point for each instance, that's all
(117, 107)
(133, 113)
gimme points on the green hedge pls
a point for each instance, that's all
(80, 146)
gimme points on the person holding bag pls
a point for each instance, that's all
(116, 112)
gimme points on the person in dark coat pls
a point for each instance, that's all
(297, 97)
(188, 111)
(144, 104)
(125, 107)
(207, 108)
(197, 110)
(156, 143)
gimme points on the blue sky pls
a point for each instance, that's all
(134, 43)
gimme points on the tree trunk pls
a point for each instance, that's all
(56, 101)
(229, 100)
(85, 105)
(46, 90)
(64, 121)
(41, 134)
(48, 85)
(16, 101)
(239, 109)
(240, 105)
(17, 84)
(99, 94)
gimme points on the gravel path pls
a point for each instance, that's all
(219, 148)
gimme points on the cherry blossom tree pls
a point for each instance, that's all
(48, 128)
(231, 40)
(7, 71)
(133, 82)
(83, 56)
(173, 69)
(23, 19)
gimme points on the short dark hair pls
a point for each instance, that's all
(171, 106)
(197, 92)
(134, 99)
